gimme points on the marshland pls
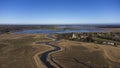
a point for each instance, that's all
(59, 46)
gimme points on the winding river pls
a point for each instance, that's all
(49, 33)
(44, 56)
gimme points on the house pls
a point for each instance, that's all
(83, 37)
(109, 43)
(74, 35)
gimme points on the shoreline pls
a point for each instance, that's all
(38, 62)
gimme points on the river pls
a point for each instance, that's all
(49, 33)
(44, 56)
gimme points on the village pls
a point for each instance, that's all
(110, 38)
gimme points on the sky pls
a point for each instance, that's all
(59, 11)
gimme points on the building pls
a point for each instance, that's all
(74, 35)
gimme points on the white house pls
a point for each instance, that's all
(74, 35)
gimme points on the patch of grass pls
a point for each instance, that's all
(21, 41)
(18, 53)
(105, 40)
(79, 56)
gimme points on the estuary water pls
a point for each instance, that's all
(38, 31)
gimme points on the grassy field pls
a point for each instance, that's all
(85, 55)
(17, 51)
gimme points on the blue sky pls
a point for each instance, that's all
(59, 11)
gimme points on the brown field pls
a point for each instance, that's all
(87, 55)
(17, 51)
(22, 50)
(111, 29)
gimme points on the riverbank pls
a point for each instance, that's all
(36, 57)
(45, 57)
